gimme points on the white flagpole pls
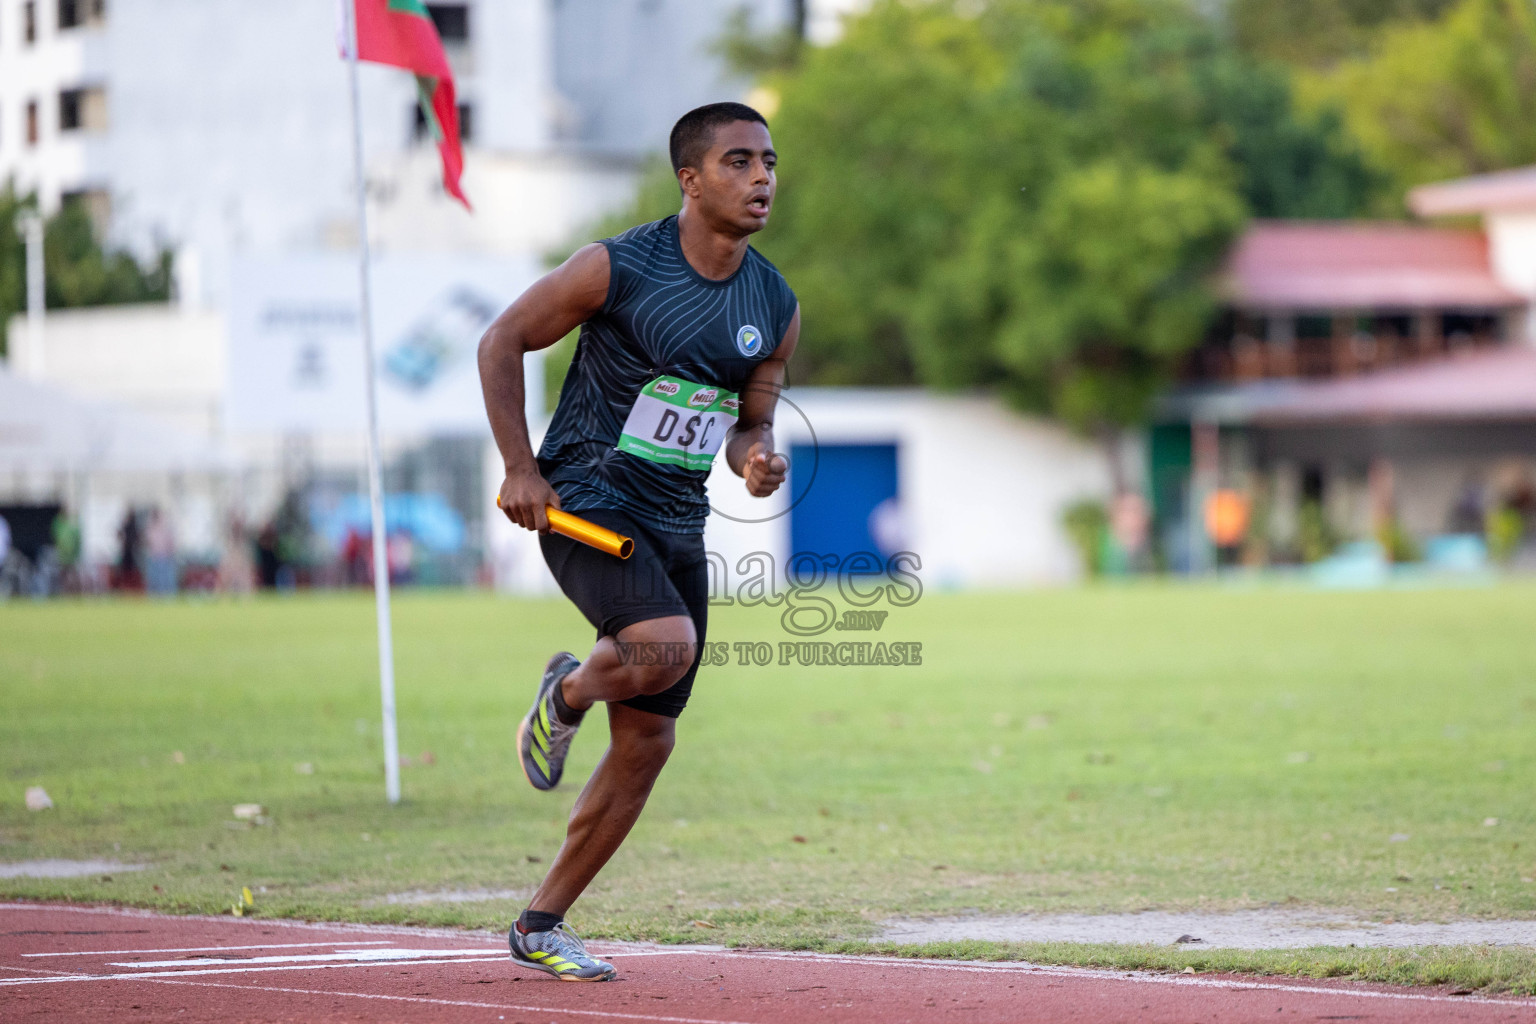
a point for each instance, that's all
(31, 224)
(375, 472)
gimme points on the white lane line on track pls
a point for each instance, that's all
(558, 1010)
(1143, 977)
(356, 955)
(150, 975)
(210, 949)
(237, 922)
(959, 965)
(968, 966)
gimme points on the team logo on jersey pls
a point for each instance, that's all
(749, 341)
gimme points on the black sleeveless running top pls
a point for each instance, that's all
(661, 317)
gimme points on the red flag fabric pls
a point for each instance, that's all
(400, 33)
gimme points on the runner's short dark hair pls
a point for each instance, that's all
(695, 130)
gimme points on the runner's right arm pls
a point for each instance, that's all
(551, 308)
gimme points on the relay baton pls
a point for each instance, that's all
(577, 528)
(599, 537)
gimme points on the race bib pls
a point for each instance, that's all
(679, 423)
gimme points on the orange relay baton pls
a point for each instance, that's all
(577, 528)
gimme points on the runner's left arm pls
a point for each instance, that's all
(551, 308)
(749, 452)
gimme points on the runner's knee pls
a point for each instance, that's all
(654, 679)
(658, 653)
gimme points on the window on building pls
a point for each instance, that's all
(83, 109)
(29, 22)
(81, 13)
(1314, 484)
(71, 110)
(1314, 326)
(1468, 328)
(452, 21)
(419, 131)
(32, 123)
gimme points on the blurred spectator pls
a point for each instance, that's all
(129, 575)
(293, 539)
(1470, 513)
(401, 555)
(1129, 519)
(355, 558)
(1226, 517)
(8, 582)
(268, 562)
(16, 571)
(66, 540)
(1512, 521)
(236, 570)
(1522, 502)
(160, 555)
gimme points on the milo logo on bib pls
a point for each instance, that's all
(679, 423)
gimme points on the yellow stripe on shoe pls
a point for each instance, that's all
(553, 960)
(539, 760)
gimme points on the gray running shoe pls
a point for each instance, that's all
(542, 739)
(560, 952)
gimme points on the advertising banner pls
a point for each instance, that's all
(295, 354)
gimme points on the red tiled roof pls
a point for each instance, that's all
(1492, 384)
(1481, 193)
(1321, 265)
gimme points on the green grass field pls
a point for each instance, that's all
(1100, 749)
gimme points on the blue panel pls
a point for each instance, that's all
(837, 515)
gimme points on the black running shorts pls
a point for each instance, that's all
(667, 574)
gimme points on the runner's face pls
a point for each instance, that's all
(736, 180)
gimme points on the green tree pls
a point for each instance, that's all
(13, 260)
(1028, 195)
(1445, 99)
(78, 270)
(1291, 163)
(1320, 33)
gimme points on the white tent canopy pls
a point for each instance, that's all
(44, 429)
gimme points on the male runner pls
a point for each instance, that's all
(684, 328)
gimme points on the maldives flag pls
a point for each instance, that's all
(400, 33)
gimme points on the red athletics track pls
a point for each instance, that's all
(64, 963)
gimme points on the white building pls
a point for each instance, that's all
(973, 489)
(219, 127)
(1506, 202)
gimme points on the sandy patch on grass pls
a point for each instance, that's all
(64, 868)
(419, 897)
(1238, 929)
